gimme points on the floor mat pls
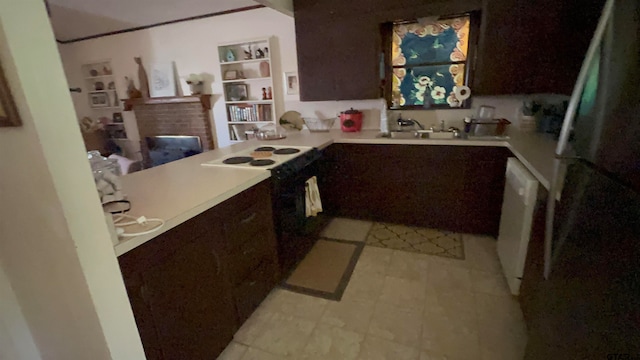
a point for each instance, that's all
(416, 239)
(326, 270)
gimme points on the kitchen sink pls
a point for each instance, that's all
(403, 134)
(420, 134)
(442, 135)
(399, 135)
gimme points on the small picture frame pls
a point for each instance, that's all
(117, 117)
(99, 99)
(291, 83)
(231, 75)
(237, 92)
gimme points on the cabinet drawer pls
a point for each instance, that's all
(257, 194)
(242, 226)
(250, 293)
(262, 247)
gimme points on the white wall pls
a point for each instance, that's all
(16, 342)
(193, 46)
(55, 247)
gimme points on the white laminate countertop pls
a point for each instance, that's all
(180, 190)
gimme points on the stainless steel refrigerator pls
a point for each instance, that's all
(588, 306)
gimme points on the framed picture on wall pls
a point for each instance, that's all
(291, 83)
(99, 99)
(9, 115)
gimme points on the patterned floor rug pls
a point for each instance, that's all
(416, 239)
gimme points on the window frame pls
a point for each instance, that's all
(470, 62)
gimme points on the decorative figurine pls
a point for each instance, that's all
(264, 94)
(132, 92)
(195, 83)
(247, 54)
(259, 54)
(230, 55)
(106, 71)
(142, 78)
(266, 52)
(269, 94)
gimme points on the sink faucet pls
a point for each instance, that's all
(442, 125)
(408, 122)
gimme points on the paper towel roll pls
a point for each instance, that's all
(461, 93)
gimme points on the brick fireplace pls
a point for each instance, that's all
(189, 115)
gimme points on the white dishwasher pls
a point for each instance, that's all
(520, 193)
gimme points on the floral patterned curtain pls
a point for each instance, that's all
(429, 58)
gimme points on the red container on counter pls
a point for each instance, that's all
(351, 120)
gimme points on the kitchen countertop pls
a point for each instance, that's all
(180, 190)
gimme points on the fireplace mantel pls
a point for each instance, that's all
(204, 99)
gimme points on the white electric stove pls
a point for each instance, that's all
(264, 157)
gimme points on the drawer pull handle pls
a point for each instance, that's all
(248, 218)
(143, 294)
(252, 283)
(218, 264)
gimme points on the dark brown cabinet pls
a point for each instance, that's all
(251, 257)
(178, 293)
(484, 179)
(529, 47)
(455, 188)
(339, 43)
(192, 287)
(525, 47)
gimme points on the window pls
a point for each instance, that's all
(427, 62)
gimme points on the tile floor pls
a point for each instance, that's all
(398, 306)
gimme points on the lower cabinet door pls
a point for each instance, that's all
(250, 293)
(189, 304)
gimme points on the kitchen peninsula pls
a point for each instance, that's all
(183, 189)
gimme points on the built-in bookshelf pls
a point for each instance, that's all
(100, 85)
(247, 80)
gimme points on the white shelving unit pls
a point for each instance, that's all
(245, 80)
(100, 85)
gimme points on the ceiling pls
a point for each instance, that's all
(77, 19)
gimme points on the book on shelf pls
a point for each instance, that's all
(249, 112)
(235, 132)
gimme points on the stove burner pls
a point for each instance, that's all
(262, 162)
(237, 160)
(286, 151)
(265, 148)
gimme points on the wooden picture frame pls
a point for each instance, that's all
(237, 92)
(99, 99)
(9, 115)
(231, 75)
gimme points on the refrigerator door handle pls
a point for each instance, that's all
(550, 215)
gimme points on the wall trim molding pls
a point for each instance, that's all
(197, 17)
